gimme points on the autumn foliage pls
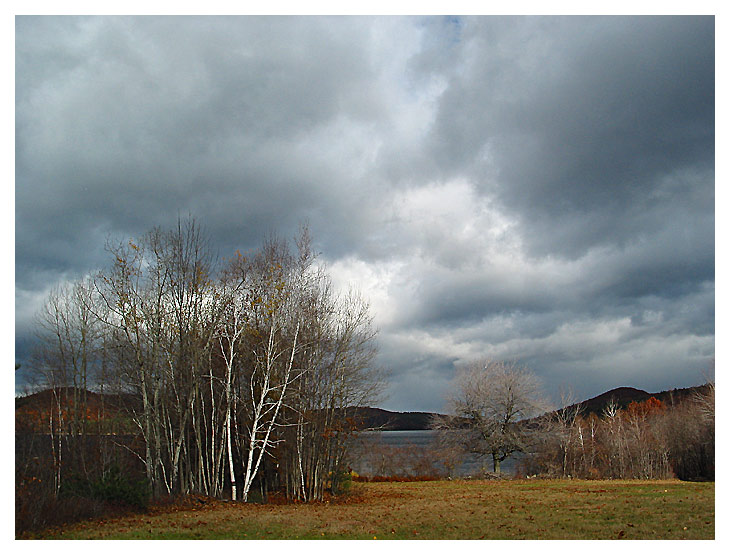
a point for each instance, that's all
(644, 440)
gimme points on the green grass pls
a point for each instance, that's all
(524, 509)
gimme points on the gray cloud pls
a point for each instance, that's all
(568, 118)
(539, 189)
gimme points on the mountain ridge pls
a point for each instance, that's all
(624, 396)
(373, 418)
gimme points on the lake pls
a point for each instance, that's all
(412, 453)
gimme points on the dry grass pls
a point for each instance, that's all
(522, 509)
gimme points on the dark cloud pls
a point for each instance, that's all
(569, 118)
(538, 189)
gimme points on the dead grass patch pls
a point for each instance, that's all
(444, 510)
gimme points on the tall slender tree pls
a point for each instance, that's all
(235, 373)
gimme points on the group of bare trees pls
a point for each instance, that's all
(645, 440)
(235, 373)
(497, 410)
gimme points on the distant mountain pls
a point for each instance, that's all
(374, 418)
(624, 396)
(363, 418)
(371, 418)
(95, 401)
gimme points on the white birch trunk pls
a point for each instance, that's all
(265, 390)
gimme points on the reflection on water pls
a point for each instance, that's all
(413, 453)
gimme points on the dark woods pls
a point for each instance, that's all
(170, 373)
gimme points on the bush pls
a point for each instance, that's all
(343, 484)
(113, 487)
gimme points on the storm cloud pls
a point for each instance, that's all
(538, 189)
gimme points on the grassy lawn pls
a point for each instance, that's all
(524, 509)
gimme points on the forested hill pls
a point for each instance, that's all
(370, 418)
(623, 396)
(374, 418)
(363, 418)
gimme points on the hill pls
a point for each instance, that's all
(374, 418)
(110, 404)
(35, 407)
(369, 418)
(624, 396)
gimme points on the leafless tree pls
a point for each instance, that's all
(615, 440)
(566, 427)
(448, 445)
(705, 400)
(253, 363)
(68, 356)
(337, 373)
(489, 400)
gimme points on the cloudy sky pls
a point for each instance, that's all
(537, 189)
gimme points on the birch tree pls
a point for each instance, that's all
(68, 356)
(567, 428)
(233, 326)
(241, 373)
(268, 391)
(133, 289)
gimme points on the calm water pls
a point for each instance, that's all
(411, 452)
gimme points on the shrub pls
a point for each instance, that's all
(342, 484)
(113, 487)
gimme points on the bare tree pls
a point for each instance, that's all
(615, 440)
(566, 427)
(489, 400)
(255, 362)
(68, 355)
(448, 445)
(268, 390)
(233, 326)
(705, 400)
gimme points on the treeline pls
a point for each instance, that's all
(497, 411)
(235, 372)
(646, 440)
(380, 419)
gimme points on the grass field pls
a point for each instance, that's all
(521, 509)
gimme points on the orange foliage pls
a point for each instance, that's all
(646, 408)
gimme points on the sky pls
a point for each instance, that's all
(531, 189)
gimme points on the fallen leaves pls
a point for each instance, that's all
(392, 510)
